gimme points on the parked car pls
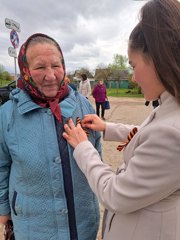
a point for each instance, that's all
(5, 91)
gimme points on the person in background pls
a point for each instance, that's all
(68, 81)
(99, 94)
(143, 197)
(85, 86)
(42, 188)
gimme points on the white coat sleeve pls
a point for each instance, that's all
(151, 174)
(117, 131)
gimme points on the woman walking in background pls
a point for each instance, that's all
(85, 86)
(99, 94)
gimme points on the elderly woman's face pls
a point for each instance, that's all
(44, 61)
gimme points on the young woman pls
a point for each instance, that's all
(143, 198)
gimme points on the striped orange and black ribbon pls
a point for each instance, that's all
(130, 136)
(78, 121)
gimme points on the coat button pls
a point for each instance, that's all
(49, 112)
(64, 211)
(57, 160)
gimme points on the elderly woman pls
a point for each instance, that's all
(41, 186)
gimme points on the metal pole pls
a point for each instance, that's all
(15, 70)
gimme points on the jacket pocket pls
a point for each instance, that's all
(14, 202)
(110, 222)
(18, 206)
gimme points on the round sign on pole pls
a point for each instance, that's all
(14, 39)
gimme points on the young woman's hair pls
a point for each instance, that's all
(157, 36)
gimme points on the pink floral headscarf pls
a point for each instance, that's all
(26, 83)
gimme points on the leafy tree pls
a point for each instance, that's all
(86, 71)
(4, 75)
(102, 72)
(101, 66)
(119, 62)
(134, 84)
(1, 68)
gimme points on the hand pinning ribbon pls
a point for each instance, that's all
(78, 121)
(130, 136)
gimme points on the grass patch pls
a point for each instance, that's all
(121, 92)
(4, 82)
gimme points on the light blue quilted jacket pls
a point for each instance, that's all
(31, 178)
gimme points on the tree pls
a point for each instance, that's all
(119, 62)
(4, 75)
(83, 70)
(1, 68)
(102, 73)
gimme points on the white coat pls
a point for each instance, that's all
(143, 199)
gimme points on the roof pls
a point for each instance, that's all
(78, 73)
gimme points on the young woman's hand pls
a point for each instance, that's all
(74, 135)
(93, 122)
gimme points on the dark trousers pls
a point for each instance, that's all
(102, 105)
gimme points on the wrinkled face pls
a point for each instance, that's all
(44, 61)
(144, 74)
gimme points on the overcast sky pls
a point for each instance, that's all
(90, 32)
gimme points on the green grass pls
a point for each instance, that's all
(4, 82)
(121, 92)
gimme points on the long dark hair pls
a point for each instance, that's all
(157, 36)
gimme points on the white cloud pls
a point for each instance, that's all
(89, 32)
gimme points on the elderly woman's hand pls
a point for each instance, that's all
(74, 134)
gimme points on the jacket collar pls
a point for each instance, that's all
(167, 103)
(25, 103)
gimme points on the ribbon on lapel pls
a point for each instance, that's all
(78, 121)
(130, 136)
